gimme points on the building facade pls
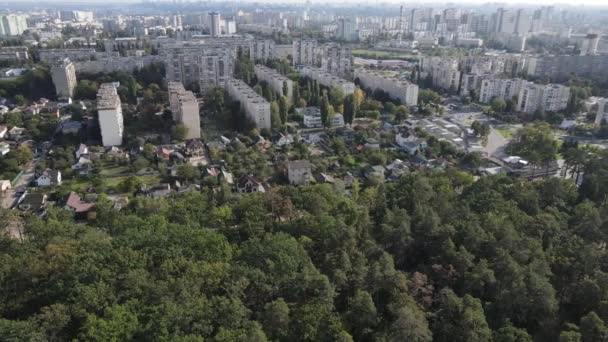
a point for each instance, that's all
(404, 91)
(328, 80)
(279, 83)
(64, 78)
(109, 110)
(206, 65)
(12, 25)
(550, 97)
(185, 109)
(304, 52)
(255, 106)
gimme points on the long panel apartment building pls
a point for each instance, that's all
(255, 106)
(549, 97)
(402, 90)
(504, 88)
(185, 109)
(275, 80)
(109, 111)
(558, 67)
(328, 80)
(206, 65)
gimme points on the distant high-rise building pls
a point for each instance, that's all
(112, 25)
(86, 16)
(590, 44)
(63, 74)
(12, 24)
(109, 112)
(214, 24)
(304, 52)
(347, 29)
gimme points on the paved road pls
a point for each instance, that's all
(26, 178)
(495, 144)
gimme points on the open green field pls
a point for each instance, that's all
(506, 133)
(146, 179)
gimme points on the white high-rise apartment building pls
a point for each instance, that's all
(304, 52)
(255, 106)
(63, 74)
(602, 111)
(402, 90)
(12, 24)
(109, 112)
(337, 60)
(185, 109)
(208, 65)
(550, 97)
(501, 88)
(275, 80)
(261, 49)
(590, 44)
(214, 24)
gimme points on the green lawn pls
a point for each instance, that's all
(146, 179)
(113, 171)
(506, 133)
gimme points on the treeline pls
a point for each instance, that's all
(434, 257)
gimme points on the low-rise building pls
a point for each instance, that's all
(49, 177)
(312, 117)
(410, 143)
(249, 184)
(5, 148)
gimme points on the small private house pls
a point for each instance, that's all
(5, 185)
(76, 205)
(4, 148)
(49, 177)
(299, 172)
(249, 184)
(81, 151)
(82, 163)
(3, 131)
(410, 143)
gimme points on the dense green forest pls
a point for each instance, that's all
(435, 256)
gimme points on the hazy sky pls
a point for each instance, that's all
(510, 2)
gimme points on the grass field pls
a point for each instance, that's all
(146, 179)
(113, 171)
(506, 133)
